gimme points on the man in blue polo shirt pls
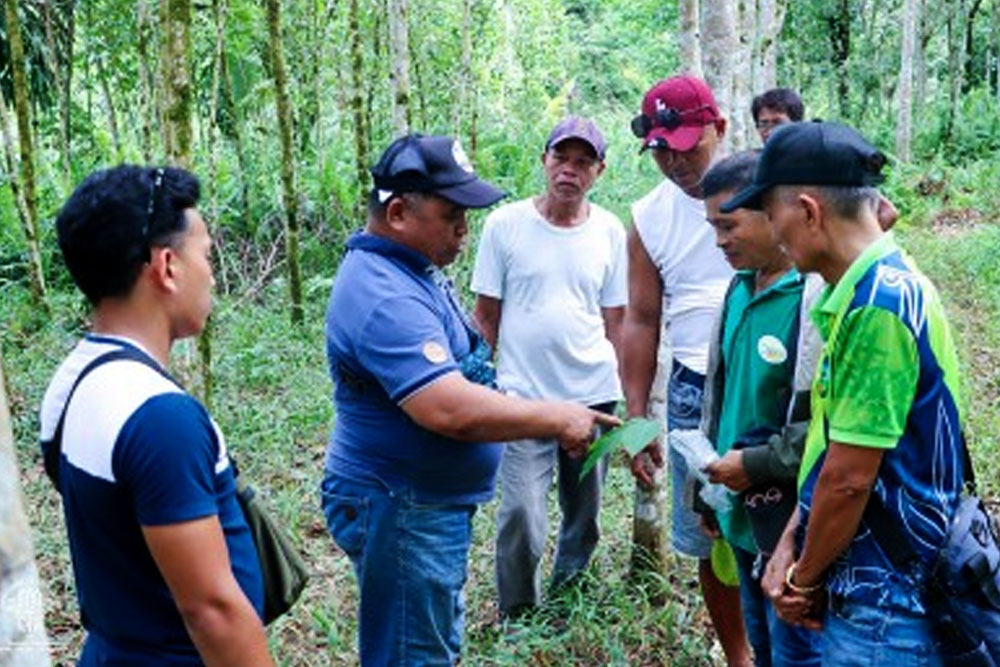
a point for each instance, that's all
(414, 449)
(886, 427)
(165, 567)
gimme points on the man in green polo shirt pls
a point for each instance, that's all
(886, 426)
(753, 364)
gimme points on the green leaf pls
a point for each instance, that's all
(633, 436)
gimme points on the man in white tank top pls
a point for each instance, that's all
(673, 259)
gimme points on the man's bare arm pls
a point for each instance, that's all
(641, 327)
(454, 407)
(193, 558)
(839, 500)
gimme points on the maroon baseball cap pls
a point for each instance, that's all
(575, 127)
(674, 111)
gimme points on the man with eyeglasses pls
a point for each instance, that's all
(415, 447)
(774, 108)
(677, 276)
(165, 567)
(558, 316)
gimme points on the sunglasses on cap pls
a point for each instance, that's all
(667, 118)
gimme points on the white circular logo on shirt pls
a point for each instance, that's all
(771, 349)
(461, 159)
(434, 352)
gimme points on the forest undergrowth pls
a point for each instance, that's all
(272, 402)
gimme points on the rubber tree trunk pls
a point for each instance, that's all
(109, 103)
(175, 26)
(287, 158)
(904, 116)
(690, 37)
(361, 158)
(23, 642)
(399, 56)
(718, 46)
(147, 102)
(26, 148)
(839, 25)
(61, 65)
(771, 19)
(740, 120)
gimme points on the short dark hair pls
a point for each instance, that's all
(111, 221)
(377, 207)
(846, 201)
(731, 174)
(785, 100)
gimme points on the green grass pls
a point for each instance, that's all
(273, 403)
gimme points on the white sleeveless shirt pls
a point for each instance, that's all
(681, 243)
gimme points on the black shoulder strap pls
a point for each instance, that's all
(52, 449)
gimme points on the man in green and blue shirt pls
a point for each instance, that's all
(885, 426)
(748, 412)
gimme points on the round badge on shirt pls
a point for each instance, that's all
(434, 352)
(771, 349)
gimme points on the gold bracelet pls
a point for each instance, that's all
(800, 590)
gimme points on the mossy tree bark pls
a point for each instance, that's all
(287, 158)
(175, 25)
(23, 113)
(399, 56)
(357, 103)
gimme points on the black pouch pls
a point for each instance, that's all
(768, 505)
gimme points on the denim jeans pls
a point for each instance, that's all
(684, 396)
(856, 635)
(775, 643)
(411, 564)
(526, 472)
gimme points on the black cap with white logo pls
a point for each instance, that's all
(811, 154)
(435, 165)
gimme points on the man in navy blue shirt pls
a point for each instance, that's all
(166, 569)
(415, 446)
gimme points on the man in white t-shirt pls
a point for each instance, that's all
(673, 259)
(550, 279)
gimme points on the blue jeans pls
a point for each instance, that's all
(775, 643)
(856, 635)
(411, 564)
(684, 395)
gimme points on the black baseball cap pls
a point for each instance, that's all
(435, 165)
(811, 154)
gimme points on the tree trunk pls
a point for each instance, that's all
(147, 104)
(109, 102)
(287, 158)
(651, 511)
(175, 24)
(23, 112)
(361, 159)
(771, 21)
(23, 642)
(234, 128)
(956, 65)
(740, 118)
(904, 118)
(920, 59)
(719, 44)
(690, 37)
(12, 179)
(970, 77)
(839, 24)
(219, 9)
(399, 56)
(56, 62)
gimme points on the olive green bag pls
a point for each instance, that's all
(284, 572)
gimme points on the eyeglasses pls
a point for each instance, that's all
(154, 189)
(667, 118)
(765, 124)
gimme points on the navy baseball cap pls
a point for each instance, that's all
(575, 127)
(811, 154)
(434, 165)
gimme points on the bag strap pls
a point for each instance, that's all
(52, 449)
